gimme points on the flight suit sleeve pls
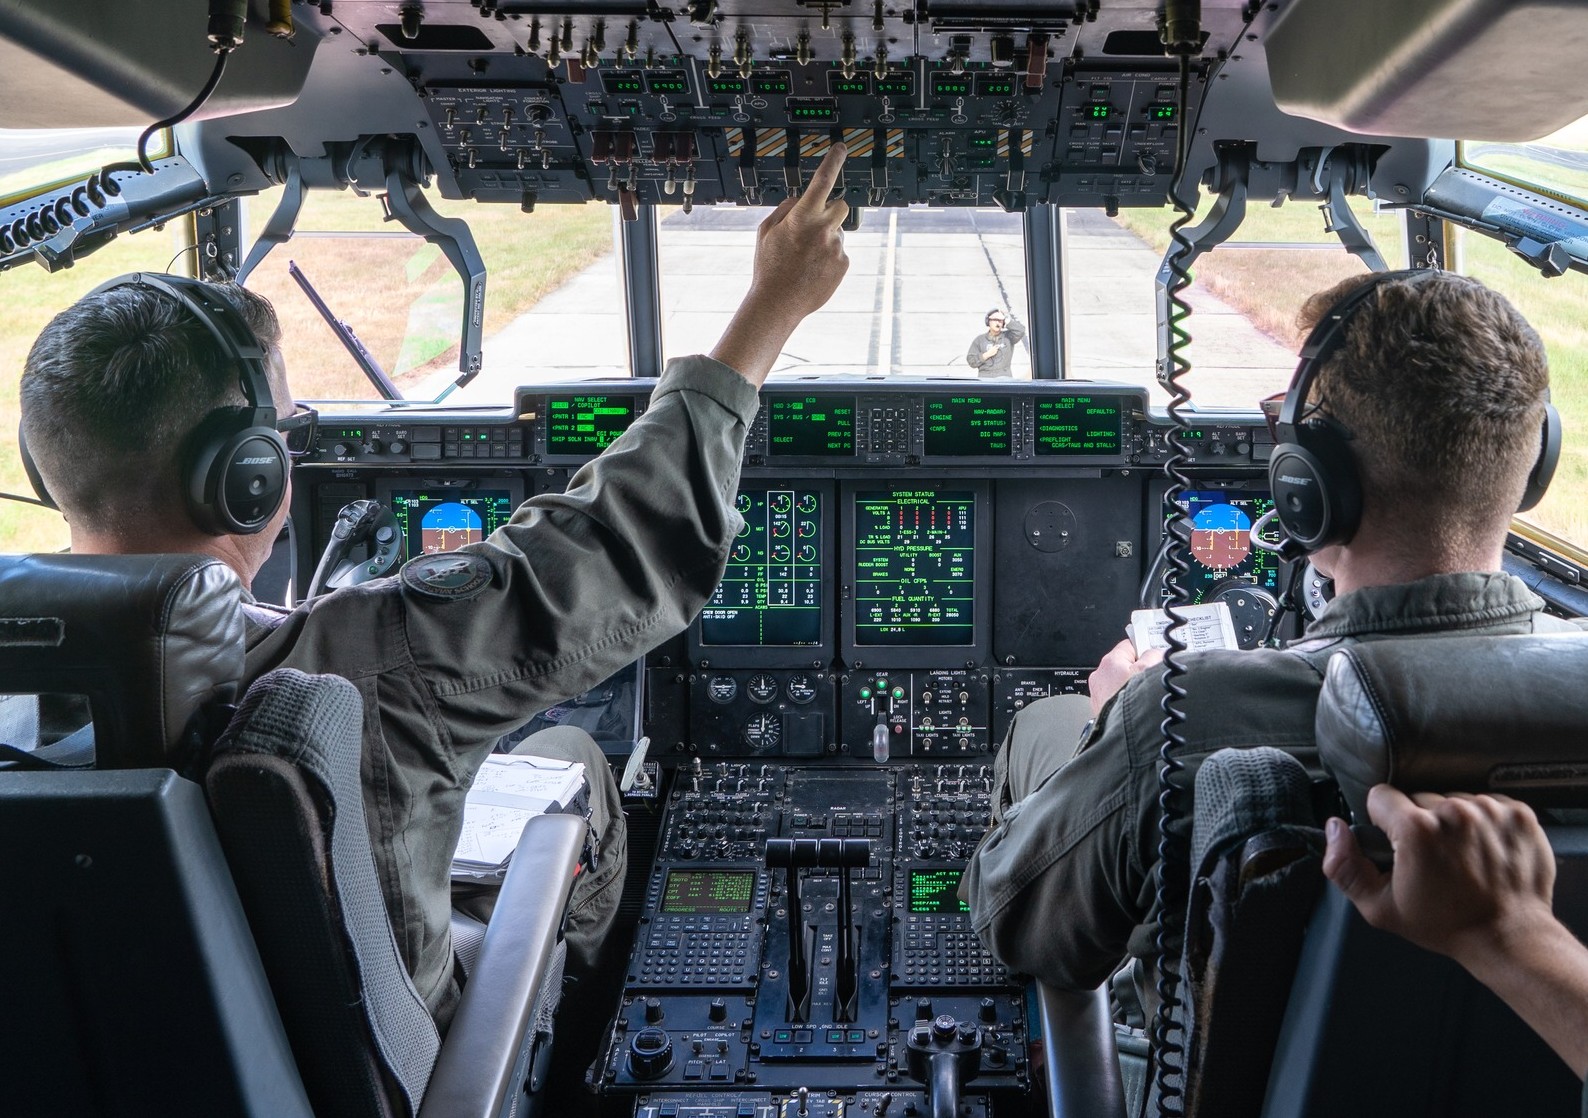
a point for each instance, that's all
(581, 582)
(1058, 886)
(1015, 329)
(973, 355)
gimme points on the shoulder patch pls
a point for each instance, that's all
(453, 576)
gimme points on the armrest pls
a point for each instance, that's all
(473, 1073)
(1084, 1080)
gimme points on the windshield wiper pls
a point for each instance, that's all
(365, 360)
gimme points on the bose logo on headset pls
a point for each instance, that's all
(234, 463)
(1316, 488)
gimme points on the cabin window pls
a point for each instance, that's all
(553, 298)
(1245, 297)
(918, 290)
(34, 161)
(1555, 164)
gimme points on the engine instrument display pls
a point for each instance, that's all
(915, 567)
(771, 592)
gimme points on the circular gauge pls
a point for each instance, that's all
(741, 553)
(800, 689)
(781, 502)
(807, 502)
(807, 529)
(780, 553)
(806, 553)
(1220, 537)
(722, 689)
(780, 529)
(761, 688)
(742, 502)
(764, 731)
(744, 529)
(1251, 608)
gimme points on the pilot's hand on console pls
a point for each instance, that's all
(799, 262)
(1472, 879)
(1115, 669)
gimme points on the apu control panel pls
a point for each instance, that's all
(918, 562)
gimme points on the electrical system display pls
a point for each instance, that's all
(702, 892)
(771, 592)
(445, 520)
(915, 567)
(967, 426)
(1079, 425)
(1221, 548)
(813, 426)
(936, 891)
(586, 424)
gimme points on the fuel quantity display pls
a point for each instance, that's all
(586, 424)
(771, 592)
(915, 568)
(967, 427)
(811, 426)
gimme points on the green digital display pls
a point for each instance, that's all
(586, 424)
(704, 892)
(896, 83)
(820, 110)
(770, 594)
(995, 85)
(915, 568)
(1099, 112)
(1079, 425)
(667, 81)
(811, 426)
(951, 85)
(621, 82)
(857, 86)
(936, 891)
(773, 83)
(724, 86)
(982, 141)
(967, 427)
(1162, 112)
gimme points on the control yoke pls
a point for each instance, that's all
(793, 855)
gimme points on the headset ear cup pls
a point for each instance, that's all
(237, 478)
(1548, 458)
(1316, 490)
(31, 468)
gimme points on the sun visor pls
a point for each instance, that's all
(1507, 70)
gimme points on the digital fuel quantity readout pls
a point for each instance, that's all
(811, 427)
(1080, 425)
(771, 592)
(915, 568)
(967, 427)
(586, 424)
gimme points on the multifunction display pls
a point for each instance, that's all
(586, 424)
(705, 892)
(771, 592)
(1079, 425)
(445, 520)
(811, 426)
(968, 426)
(936, 891)
(915, 567)
(1221, 546)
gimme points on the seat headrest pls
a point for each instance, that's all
(150, 640)
(1459, 714)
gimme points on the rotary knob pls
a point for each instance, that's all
(650, 1054)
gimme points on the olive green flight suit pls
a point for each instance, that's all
(577, 585)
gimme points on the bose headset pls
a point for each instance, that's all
(234, 463)
(1317, 490)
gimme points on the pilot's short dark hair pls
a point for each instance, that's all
(112, 389)
(1442, 383)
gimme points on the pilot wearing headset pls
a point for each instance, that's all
(1408, 438)
(157, 413)
(991, 353)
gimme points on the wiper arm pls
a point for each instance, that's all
(361, 356)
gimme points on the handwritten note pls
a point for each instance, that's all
(507, 792)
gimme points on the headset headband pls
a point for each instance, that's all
(234, 336)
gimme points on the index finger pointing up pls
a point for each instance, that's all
(823, 179)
